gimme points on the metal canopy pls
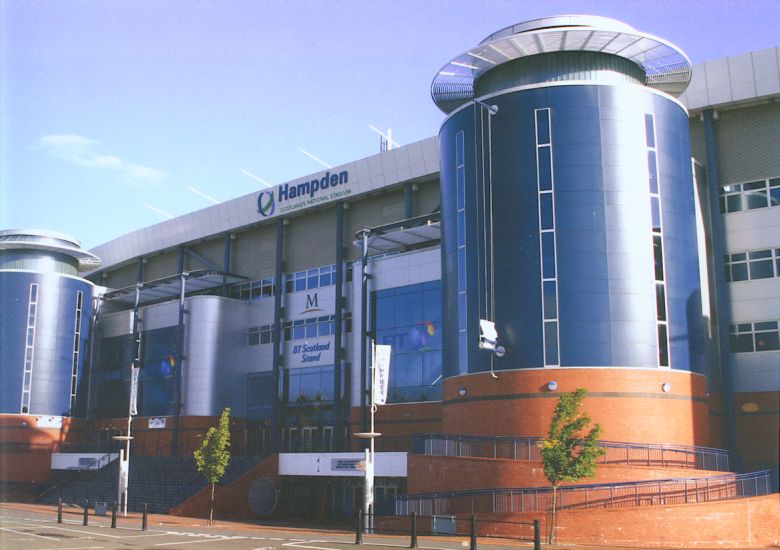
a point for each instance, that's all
(665, 66)
(403, 235)
(170, 287)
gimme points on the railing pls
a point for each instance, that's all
(96, 463)
(615, 452)
(609, 495)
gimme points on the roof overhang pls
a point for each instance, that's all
(403, 235)
(665, 65)
(164, 289)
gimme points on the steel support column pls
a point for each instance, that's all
(226, 262)
(364, 330)
(277, 336)
(721, 308)
(177, 371)
(338, 351)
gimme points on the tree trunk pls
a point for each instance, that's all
(211, 505)
(554, 506)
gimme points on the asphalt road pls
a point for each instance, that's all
(34, 530)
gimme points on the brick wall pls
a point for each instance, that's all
(629, 404)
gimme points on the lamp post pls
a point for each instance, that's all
(123, 483)
(380, 367)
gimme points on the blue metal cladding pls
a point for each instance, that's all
(52, 347)
(605, 271)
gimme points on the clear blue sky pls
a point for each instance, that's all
(111, 111)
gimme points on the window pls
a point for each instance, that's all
(546, 197)
(260, 335)
(308, 384)
(758, 336)
(32, 313)
(757, 264)
(74, 372)
(656, 230)
(737, 197)
(310, 279)
(303, 329)
(460, 177)
(256, 290)
(409, 319)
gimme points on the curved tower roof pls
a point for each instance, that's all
(50, 241)
(665, 66)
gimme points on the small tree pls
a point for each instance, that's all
(213, 455)
(567, 455)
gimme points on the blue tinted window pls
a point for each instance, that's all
(300, 283)
(649, 130)
(408, 309)
(462, 310)
(652, 169)
(548, 255)
(550, 300)
(551, 343)
(432, 305)
(542, 126)
(660, 301)
(385, 312)
(545, 169)
(460, 178)
(655, 213)
(461, 270)
(663, 346)
(415, 335)
(546, 210)
(658, 253)
(459, 149)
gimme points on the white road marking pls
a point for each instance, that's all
(299, 545)
(184, 542)
(27, 534)
(69, 530)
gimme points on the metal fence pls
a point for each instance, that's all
(615, 452)
(610, 495)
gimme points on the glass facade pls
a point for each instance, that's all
(156, 379)
(409, 319)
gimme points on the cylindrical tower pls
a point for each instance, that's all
(45, 317)
(569, 221)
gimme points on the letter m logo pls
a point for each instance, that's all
(311, 301)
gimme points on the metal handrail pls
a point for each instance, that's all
(602, 495)
(616, 452)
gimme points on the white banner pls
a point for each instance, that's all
(134, 390)
(381, 373)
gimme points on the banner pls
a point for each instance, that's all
(134, 390)
(381, 373)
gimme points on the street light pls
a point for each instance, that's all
(380, 369)
(123, 482)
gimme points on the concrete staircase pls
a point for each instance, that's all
(161, 482)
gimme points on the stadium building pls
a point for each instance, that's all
(613, 211)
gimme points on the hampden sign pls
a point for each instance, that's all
(289, 197)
